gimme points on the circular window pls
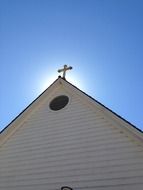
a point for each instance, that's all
(59, 102)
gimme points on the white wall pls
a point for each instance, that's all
(73, 147)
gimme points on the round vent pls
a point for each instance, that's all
(59, 102)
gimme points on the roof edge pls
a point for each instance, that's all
(111, 111)
(20, 114)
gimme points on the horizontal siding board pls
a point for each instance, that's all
(69, 164)
(84, 180)
(69, 147)
(59, 142)
(30, 155)
(107, 143)
(73, 168)
(81, 137)
(98, 173)
(90, 151)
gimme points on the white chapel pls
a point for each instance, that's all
(66, 140)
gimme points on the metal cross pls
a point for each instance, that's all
(66, 68)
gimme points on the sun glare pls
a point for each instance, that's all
(76, 81)
(71, 76)
(45, 83)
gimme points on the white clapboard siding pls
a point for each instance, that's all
(77, 146)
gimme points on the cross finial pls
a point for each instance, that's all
(66, 68)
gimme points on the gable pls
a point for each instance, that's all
(80, 146)
(122, 124)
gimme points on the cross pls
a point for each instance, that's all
(66, 68)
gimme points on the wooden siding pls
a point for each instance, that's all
(75, 147)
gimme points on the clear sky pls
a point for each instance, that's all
(101, 39)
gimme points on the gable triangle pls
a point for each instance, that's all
(82, 145)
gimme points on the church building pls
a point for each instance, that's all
(66, 140)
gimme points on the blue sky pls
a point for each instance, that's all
(101, 39)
